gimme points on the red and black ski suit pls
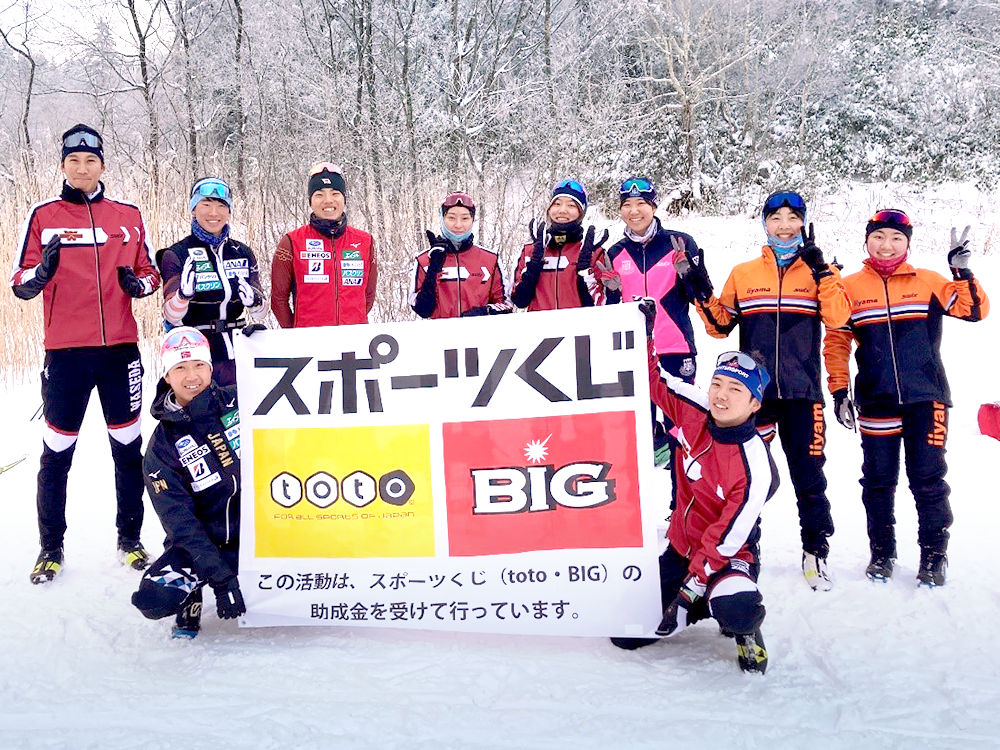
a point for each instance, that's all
(901, 391)
(553, 283)
(469, 283)
(724, 477)
(90, 342)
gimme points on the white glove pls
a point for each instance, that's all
(186, 290)
(248, 295)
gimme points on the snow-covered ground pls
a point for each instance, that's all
(863, 666)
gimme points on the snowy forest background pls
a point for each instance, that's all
(717, 101)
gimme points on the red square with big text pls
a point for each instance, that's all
(559, 482)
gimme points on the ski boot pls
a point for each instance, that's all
(751, 652)
(933, 568)
(47, 566)
(816, 573)
(880, 567)
(132, 553)
(188, 622)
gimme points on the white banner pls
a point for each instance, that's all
(491, 474)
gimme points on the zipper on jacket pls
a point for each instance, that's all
(228, 503)
(558, 263)
(227, 289)
(336, 279)
(892, 344)
(691, 504)
(458, 276)
(97, 267)
(777, 331)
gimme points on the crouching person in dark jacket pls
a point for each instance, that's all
(192, 471)
(710, 566)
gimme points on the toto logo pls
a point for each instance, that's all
(582, 484)
(357, 488)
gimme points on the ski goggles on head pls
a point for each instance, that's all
(459, 199)
(569, 185)
(783, 199)
(82, 138)
(323, 166)
(743, 359)
(890, 218)
(637, 187)
(741, 366)
(211, 187)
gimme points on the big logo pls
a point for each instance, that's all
(560, 482)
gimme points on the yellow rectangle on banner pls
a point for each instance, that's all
(343, 492)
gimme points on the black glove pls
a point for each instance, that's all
(494, 308)
(229, 599)
(539, 239)
(132, 284)
(677, 615)
(692, 271)
(251, 328)
(437, 254)
(843, 408)
(587, 250)
(812, 256)
(960, 253)
(50, 260)
(647, 306)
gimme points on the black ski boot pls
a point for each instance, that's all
(132, 554)
(188, 622)
(880, 567)
(933, 568)
(47, 566)
(751, 652)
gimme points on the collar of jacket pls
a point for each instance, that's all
(331, 228)
(462, 246)
(74, 195)
(733, 435)
(768, 255)
(644, 240)
(903, 269)
(203, 405)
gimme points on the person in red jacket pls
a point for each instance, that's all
(724, 477)
(901, 389)
(556, 269)
(89, 258)
(324, 273)
(454, 277)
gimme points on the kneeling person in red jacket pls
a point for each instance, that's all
(192, 470)
(726, 474)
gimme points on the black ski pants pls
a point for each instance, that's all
(732, 597)
(800, 426)
(169, 582)
(922, 430)
(67, 381)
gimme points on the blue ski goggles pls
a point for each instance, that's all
(211, 187)
(569, 185)
(783, 199)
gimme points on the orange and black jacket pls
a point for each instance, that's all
(896, 323)
(778, 312)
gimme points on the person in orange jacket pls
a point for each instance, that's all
(778, 301)
(901, 389)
